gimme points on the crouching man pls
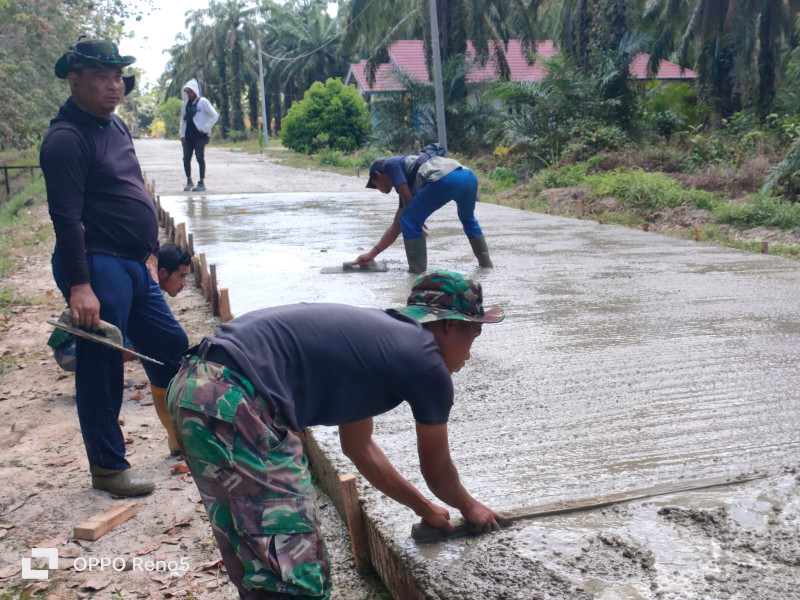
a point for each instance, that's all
(240, 400)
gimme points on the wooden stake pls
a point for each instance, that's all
(105, 521)
(355, 524)
(203, 273)
(190, 242)
(579, 208)
(166, 223)
(214, 291)
(552, 205)
(698, 233)
(198, 278)
(764, 247)
(172, 229)
(224, 306)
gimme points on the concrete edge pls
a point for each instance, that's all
(389, 565)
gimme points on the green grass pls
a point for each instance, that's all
(19, 230)
(760, 210)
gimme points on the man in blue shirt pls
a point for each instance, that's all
(437, 181)
(240, 402)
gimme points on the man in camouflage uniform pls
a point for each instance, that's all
(240, 400)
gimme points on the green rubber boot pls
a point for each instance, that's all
(416, 254)
(481, 251)
(120, 483)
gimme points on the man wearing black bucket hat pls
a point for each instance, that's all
(240, 401)
(106, 250)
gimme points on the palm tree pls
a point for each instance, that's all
(719, 39)
(373, 26)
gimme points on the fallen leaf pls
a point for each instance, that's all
(33, 589)
(9, 571)
(177, 524)
(128, 441)
(3, 533)
(187, 478)
(210, 565)
(179, 468)
(137, 396)
(60, 462)
(96, 584)
(175, 486)
(148, 548)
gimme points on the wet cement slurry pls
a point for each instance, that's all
(626, 360)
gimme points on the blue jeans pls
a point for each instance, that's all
(460, 185)
(132, 301)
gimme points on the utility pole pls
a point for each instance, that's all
(437, 76)
(264, 124)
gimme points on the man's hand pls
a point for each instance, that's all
(85, 307)
(152, 266)
(366, 257)
(424, 230)
(183, 139)
(481, 518)
(437, 516)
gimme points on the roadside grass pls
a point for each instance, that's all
(18, 178)
(20, 230)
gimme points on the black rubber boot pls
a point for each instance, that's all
(189, 185)
(121, 483)
(481, 251)
(416, 254)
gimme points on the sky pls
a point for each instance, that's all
(156, 32)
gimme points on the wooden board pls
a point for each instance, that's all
(422, 532)
(105, 521)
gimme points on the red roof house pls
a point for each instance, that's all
(408, 56)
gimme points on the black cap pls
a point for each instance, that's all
(375, 167)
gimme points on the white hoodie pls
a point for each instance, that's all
(205, 117)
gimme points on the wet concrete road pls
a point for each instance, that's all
(626, 360)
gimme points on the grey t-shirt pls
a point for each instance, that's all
(330, 364)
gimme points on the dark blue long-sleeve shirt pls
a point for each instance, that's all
(95, 191)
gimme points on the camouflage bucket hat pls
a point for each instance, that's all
(90, 54)
(440, 295)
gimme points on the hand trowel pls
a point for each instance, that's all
(107, 334)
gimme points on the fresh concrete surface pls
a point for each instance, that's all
(626, 360)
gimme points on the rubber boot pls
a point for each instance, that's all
(160, 402)
(416, 254)
(120, 483)
(481, 251)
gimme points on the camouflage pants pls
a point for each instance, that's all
(255, 484)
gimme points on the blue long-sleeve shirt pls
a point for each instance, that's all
(95, 191)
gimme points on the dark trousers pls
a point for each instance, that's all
(132, 301)
(198, 147)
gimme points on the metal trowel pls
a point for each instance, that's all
(352, 266)
(107, 334)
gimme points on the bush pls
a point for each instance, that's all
(649, 191)
(329, 116)
(170, 114)
(760, 210)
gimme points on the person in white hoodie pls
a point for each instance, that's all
(198, 116)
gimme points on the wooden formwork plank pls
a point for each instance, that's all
(105, 521)
(390, 567)
(355, 524)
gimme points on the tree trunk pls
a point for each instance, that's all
(766, 59)
(224, 111)
(236, 100)
(254, 105)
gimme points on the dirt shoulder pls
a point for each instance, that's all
(46, 487)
